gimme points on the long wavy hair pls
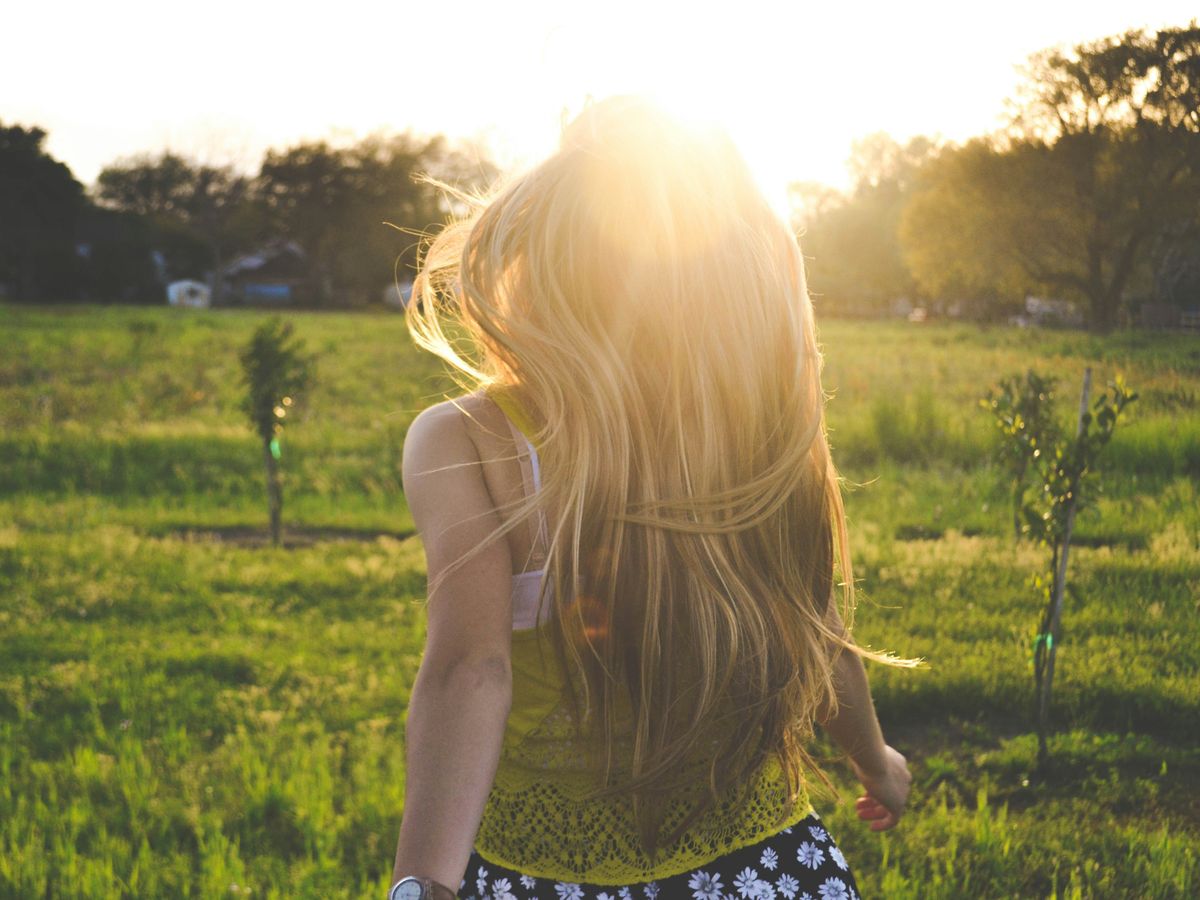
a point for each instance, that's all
(638, 298)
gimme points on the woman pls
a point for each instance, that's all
(630, 520)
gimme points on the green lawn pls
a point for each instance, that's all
(186, 713)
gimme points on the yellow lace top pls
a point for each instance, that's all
(537, 819)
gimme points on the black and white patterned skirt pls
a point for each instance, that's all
(798, 863)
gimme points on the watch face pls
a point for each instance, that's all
(407, 889)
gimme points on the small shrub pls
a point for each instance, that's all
(276, 370)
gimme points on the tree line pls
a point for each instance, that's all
(1091, 193)
(356, 211)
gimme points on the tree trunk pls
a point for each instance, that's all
(1106, 306)
(1018, 492)
(274, 493)
(1016, 505)
(1102, 307)
(27, 276)
(1042, 648)
(1048, 636)
(216, 298)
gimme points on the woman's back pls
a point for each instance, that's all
(539, 818)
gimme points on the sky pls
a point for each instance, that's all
(794, 83)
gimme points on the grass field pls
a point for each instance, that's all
(187, 712)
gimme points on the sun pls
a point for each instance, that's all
(765, 83)
(699, 113)
(778, 146)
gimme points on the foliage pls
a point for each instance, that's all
(1030, 442)
(1176, 256)
(40, 206)
(337, 202)
(955, 230)
(276, 370)
(855, 265)
(1021, 409)
(169, 187)
(122, 256)
(1101, 157)
(1117, 82)
(355, 210)
(207, 203)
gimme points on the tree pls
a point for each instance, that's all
(1176, 269)
(122, 262)
(851, 242)
(40, 205)
(203, 201)
(276, 370)
(1101, 156)
(1061, 469)
(392, 207)
(306, 192)
(968, 225)
(337, 202)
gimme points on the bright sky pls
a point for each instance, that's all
(795, 83)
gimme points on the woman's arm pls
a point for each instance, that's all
(855, 728)
(463, 691)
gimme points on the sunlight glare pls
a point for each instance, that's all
(729, 72)
(697, 110)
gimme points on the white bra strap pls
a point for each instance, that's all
(537, 469)
(541, 538)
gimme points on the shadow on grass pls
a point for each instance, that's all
(291, 537)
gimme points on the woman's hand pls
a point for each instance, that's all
(887, 791)
(855, 728)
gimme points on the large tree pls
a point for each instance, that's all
(1102, 157)
(40, 206)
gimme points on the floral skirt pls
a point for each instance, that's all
(798, 863)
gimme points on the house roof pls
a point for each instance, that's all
(249, 263)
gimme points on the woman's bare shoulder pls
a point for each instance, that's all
(455, 462)
(447, 448)
(474, 416)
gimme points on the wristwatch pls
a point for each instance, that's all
(413, 887)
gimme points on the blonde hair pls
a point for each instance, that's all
(638, 297)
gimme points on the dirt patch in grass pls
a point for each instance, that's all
(930, 533)
(299, 536)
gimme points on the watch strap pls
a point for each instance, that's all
(430, 889)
